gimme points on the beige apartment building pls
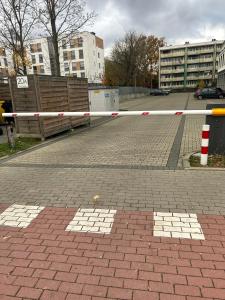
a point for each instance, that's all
(184, 66)
(221, 69)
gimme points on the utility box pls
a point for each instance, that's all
(103, 99)
(217, 131)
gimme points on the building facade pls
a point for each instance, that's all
(83, 56)
(185, 66)
(40, 57)
(221, 69)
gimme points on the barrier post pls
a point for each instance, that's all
(205, 145)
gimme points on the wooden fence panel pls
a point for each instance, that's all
(49, 94)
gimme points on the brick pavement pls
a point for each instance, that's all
(136, 141)
(44, 261)
(67, 245)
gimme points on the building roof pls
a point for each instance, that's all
(187, 45)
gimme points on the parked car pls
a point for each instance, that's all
(210, 93)
(159, 92)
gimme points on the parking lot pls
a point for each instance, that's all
(127, 173)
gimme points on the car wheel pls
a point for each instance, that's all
(200, 97)
(220, 96)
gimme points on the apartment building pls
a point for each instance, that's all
(221, 69)
(40, 56)
(83, 56)
(3, 63)
(184, 66)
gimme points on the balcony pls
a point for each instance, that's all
(203, 51)
(172, 79)
(199, 77)
(199, 69)
(199, 60)
(172, 71)
(171, 63)
(174, 54)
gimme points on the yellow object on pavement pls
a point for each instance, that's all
(1, 111)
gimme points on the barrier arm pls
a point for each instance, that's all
(213, 112)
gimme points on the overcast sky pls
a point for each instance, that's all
(176, 20)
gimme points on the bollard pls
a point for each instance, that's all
(205, 145)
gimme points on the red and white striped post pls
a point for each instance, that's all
(205, 145)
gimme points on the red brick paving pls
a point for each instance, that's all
(46, 262)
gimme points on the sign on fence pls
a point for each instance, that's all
(22, 82)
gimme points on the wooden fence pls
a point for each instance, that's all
(49, 94)
(4, 89)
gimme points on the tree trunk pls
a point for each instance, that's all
(56, 47)
(56, 52)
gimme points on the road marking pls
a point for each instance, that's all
(92, 220)
(175, 225)
(19, 215)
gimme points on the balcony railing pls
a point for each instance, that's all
(174, 54)
(172, 71)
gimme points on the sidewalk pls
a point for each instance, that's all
(49, 259)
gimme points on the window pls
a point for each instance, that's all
(99, 66)
(98, 55)
(64, 45)
(82, 65)
(35, 48)
(65, 55)
(80, 42)
(5, 62)
(82, 74)
(74, 66)
(73, 56)
(35, 69)
(66, 67)
(41, 58)
(39, 47)
(33, 59)
(75, 75)
(42, 69)
(81, 54)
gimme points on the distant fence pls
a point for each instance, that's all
(132, 90)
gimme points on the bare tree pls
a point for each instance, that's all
(16, 23)
(61, 19)
(134, 60)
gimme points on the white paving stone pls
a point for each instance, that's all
(175, 225)
(92, 220)
(19, 215)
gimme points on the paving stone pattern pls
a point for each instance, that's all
(176, 225)
(92, 220)
(132, 141)
(19, 215)
(44, 261)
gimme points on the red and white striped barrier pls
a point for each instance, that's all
(205, 145)
(214, 112)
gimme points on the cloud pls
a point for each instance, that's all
(176, 20)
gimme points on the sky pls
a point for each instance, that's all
(176, 20)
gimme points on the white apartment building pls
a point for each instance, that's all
(40, 52)
(221, 69)
(83, 56)
(184, 66)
